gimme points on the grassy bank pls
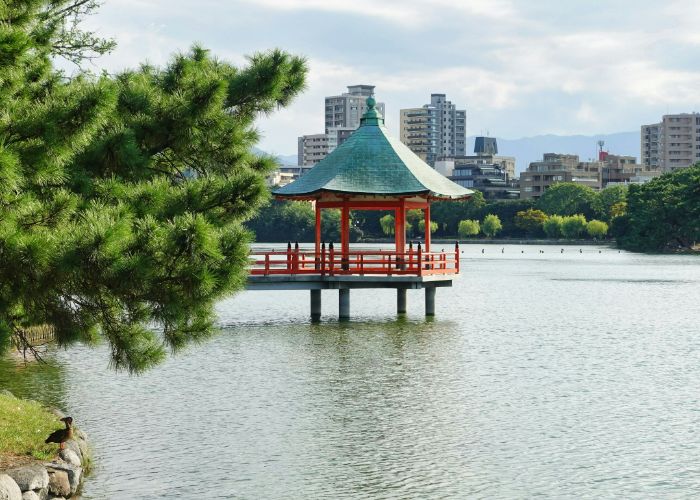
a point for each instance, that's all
(24, 425)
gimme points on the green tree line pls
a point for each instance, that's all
(661, 215)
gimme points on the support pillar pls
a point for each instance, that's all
(427, 228)
(345, 235)
(400, 301)
(430, 301)
(315, 306)
(317, 247)
(344, 303)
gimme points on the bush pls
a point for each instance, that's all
(573, 226)
(597, 229)
(491, 225)
(530, 220)
(468, 228)
(552, 226)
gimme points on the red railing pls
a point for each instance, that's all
(329, 262)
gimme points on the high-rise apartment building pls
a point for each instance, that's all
(343, 113)
(311, 149)
(671, 144)
(435, 129)
(342, 117)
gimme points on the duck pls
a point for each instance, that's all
(60, 436)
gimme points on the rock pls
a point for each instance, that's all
(59, 484)
(70, 456)
(30, 495)
(43, 493)
(84, 449)
(9, 489)
(74, 473)
(31, 477)
(80, 434)
(74, 446)
(5, 392)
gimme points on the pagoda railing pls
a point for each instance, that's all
(329, 262)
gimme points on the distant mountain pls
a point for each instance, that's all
(529, 149)
(285, 160)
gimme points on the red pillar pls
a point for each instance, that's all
(317, 248)
(427, 227)
(400, 228)
(345, 229)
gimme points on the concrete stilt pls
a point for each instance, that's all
(400, 301)
(344, 303)
(430, 301)
(315, 305)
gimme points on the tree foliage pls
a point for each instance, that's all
(421, 226)
(122, 199)
(597, 229)
(573, 226)
(552, 226)
(567, 198)
(468, 228)
(662, 214)
(609, 201)
(491, 225)
(448, 214)
(283, 221)
(530, 220)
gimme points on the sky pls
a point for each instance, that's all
(519, 67)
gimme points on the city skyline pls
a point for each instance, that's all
(520, 69)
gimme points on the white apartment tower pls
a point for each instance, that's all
(345, 110)
(434, 130)
(674, 143)
(311, 149)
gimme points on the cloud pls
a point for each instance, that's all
(409, 13)
(519, 68)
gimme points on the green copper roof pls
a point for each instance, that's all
(372, 162)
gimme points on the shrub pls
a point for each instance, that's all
(468, 228)
(573, 226)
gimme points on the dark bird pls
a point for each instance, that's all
(62, 435)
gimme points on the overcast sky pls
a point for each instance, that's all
(520, 67)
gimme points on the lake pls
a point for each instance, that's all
(565, 375)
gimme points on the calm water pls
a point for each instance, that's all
(562, 375)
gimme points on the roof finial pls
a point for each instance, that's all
(371, 116)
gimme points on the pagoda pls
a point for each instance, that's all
(369, 171)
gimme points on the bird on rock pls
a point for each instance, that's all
(60, 436)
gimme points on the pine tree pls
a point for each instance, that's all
(122, 198)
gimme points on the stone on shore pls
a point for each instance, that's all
(30, 495)
(74, 446)
(59, 485)
(74, 473)
(31, 477)
(9, 489)
(69, 456)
